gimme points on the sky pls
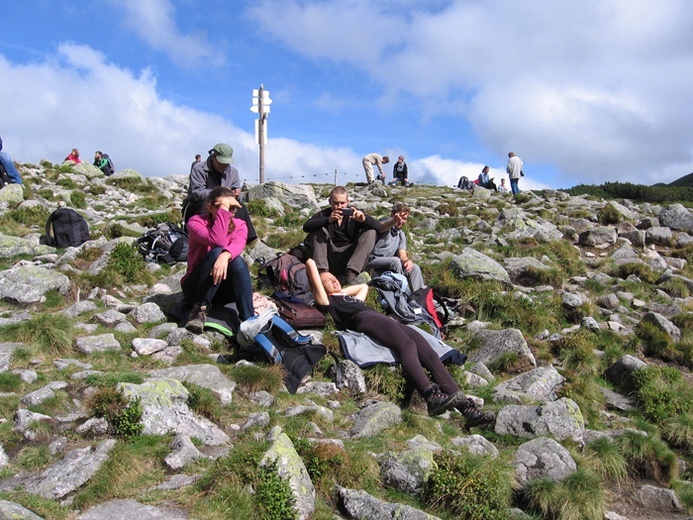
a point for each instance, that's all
(584, 92)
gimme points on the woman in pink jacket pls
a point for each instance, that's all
(216, 273)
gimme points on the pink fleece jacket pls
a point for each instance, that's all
(206, 234)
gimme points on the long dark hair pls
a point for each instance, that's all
(215, 194)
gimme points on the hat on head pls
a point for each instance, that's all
(223, 152)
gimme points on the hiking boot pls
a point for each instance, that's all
(473, 415)
(438, 402)
(196, 320)
(352, 278)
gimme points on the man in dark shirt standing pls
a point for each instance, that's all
(341, 238)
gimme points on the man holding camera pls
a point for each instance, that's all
(341, 238)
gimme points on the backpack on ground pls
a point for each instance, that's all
(110, 167)
(288, 276)
(278, 343)
(433, 304)
(465, 183)
(167, 244)
(394, 296)
(66, 228)
(299, 315)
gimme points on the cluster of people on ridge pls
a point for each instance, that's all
(101, 160)
(343, 242)
(400, 171)
(513, 169)
(400, 174)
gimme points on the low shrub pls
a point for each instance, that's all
(609, 215)
(470, 486)
(124, 416)
(648, 456)
(604, 458)
(662, 392)
(579, 497)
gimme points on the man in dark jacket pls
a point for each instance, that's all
(217, 170)
(341, 238)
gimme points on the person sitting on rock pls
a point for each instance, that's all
(217, 274)
(485, 181)
(341, 238)
(349, 311)
(400, 173)
(390, 251)
(9, 167)
(73, 156)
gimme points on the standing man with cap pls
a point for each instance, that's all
(217, 170)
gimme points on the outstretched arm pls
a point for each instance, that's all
(315, 283)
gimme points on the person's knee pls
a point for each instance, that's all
(213, 253)
(238, 266)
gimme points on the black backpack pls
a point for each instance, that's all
(289, 277)
(66, 228)
(111, 168)
(167, 244)
(280, 344)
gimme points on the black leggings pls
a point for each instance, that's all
(411, 349)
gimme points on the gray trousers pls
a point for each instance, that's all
(339, 259)
(394, 264)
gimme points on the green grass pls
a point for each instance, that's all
(50, 333)
(470, 486)
(579, 497)
(132, 467)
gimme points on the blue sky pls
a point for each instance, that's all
(584, 92)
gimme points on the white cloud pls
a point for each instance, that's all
(599, 89)
(154, 22)
(77, 99)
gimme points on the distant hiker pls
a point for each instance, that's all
(216, 171)
(198, 158)
(103, 162)
(514, 170)
(217, 273)
(73, 156)
(9, 167)
(485, 181)
(369, 160)
(400, 173)
(502, 187)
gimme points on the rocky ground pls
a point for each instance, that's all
(123, 328)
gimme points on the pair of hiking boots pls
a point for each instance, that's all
(438, 402)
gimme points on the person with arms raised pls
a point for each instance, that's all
(349, 311)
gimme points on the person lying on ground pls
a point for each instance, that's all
(349, 311)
